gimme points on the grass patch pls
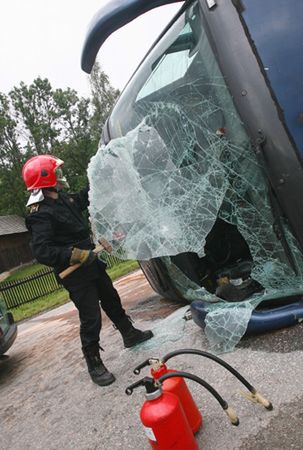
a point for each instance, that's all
(44, 303)
(61, 296)
(25, 272)
(122, 269)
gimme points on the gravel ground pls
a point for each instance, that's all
(47, 400)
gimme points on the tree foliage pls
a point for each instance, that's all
(103, 98)
(38, 119)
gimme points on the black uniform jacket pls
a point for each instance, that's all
(56, 226)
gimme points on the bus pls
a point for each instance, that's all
(200, 160)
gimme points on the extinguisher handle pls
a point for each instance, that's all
(129, 389)
(229, 411)
(148, 382)
(145, 363)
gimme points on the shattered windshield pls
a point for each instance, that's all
(180, 181)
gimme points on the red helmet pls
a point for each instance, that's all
(40, 172)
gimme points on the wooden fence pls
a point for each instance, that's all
(18, 292)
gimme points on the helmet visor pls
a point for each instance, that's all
(61, 178)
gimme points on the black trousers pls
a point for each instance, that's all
(89, 287)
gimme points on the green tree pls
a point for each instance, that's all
(38, 119)
(36, 113)
(103, 98)
(12, 198)
(77, 146)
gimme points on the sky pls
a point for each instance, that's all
(45, 38)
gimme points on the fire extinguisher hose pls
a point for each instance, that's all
(254, 395)
(229, 411)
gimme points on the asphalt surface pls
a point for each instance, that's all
(47, 400)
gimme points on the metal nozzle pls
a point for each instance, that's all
(263, 401)
(232, 416)
(256, 397)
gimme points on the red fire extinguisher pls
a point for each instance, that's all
(158, 368)
(178, 386)
(163, 417)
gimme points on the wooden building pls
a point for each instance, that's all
(14, 243)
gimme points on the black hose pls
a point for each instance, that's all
(214, 358)
(230, 413)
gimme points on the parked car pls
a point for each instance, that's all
(8, 328)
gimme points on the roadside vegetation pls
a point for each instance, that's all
(37, 119)
(25, 271)
(61, 296)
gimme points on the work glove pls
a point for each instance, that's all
(83, 257)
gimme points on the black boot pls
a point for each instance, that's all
(97, 370)
(131, 335)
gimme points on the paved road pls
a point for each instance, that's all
(47, 400)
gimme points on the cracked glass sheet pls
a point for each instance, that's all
(146, 198)
(141, 189)
(184, 161)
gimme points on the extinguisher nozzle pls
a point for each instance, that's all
(234, 419)
(263, 401)
(269, 407)
(256, 397)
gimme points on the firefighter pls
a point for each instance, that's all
(60, 237)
